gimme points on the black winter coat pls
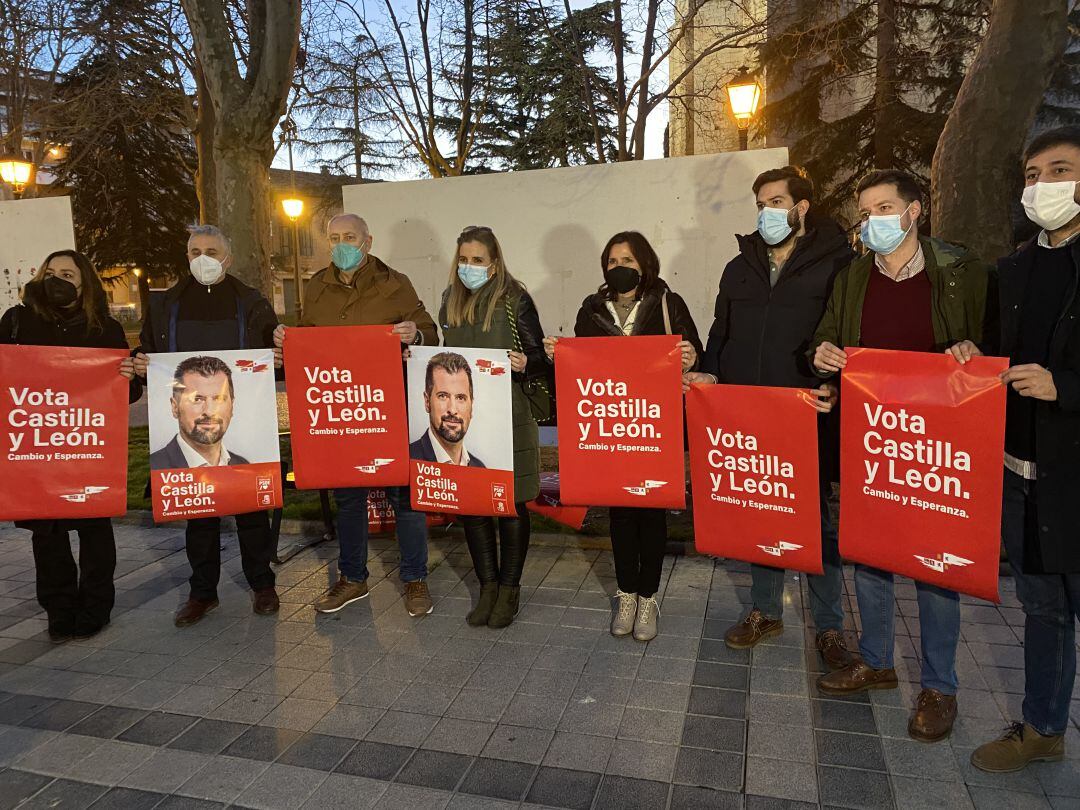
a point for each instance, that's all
(595, 320)
(1055, 547)
(761, 333)
(22, 326)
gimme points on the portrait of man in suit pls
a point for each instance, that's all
(448, 400)
(202, 403)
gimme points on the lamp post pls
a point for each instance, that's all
(744, 95)
(293, 207)
(17, 173)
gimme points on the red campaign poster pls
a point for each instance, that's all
(65, 416)
(754, 471)
(213, 434)
(922, 446)
(461, 453)
(346, 394)
(381, 517)
(620, 414)
(549, 504)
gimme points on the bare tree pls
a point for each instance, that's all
(245, 64)
(976, 162)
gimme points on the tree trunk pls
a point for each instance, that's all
(885, 87)
(205, 180)
(978, 154)
(243, 195)
(621, 112)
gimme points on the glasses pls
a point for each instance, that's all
(476, 229)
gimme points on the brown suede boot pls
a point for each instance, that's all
(1019, 745)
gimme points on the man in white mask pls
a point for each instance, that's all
(211, 310)
(1039, 310)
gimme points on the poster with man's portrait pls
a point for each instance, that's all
(213, 433)
(461, 442)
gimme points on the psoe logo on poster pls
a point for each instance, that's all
(779, 549)
(82, 497)
(490, 367)
(942, 562)
(374, 466)
(251, 366)
(645, 487)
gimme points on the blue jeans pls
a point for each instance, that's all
(826, 589)
(939, 626)
(1051, 605)
(352, 532)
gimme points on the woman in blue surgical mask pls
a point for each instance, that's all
(485, 307)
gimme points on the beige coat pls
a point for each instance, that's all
(375, 294)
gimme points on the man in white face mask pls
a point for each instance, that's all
(1040, 309)
(210, 310)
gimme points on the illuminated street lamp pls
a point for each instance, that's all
(17, 173)
(293, 208)
(744, 95)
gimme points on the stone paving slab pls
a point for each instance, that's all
(372, 708)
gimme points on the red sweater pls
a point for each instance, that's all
(896, 314)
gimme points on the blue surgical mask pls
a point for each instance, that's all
(773, 225)
(346, 257)
(883, 234)
(472, 276)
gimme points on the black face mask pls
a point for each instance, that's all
(623, 279)
(59, 292)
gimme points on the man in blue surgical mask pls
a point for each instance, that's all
(771, 297)
(358, 289)
(918, 294)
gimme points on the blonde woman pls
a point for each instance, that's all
(485, 307)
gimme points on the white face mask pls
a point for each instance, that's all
(1051, 205)
(206, 269)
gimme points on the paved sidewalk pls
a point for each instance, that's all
(371, 708)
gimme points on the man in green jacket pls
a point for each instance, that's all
(907, 293)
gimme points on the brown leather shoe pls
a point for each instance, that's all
(833, 650)
(752, 630)
(266, 601)
(417, 598)
(934, 716)
(856, 677)
(193, 610)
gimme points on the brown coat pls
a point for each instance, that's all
(375, 295)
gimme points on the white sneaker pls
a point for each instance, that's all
(648, 615)
(624, 613)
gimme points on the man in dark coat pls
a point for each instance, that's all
(1040, 521)
(205, 311)
(772, 296)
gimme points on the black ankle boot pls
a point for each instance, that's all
(480, 614)
(506, 607)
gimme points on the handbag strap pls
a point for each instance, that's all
(667, 314)
(511, 316)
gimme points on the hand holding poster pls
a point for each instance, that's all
(213, 434)
(347, 406)
(620, 421)
(65, 415)
(461, 426)
(754, 470)
(921, 459)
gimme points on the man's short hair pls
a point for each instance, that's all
(451, 363)
(210, 230)
(1062, 136)
(907, 187)
(359, 219)
(799, 184)
(204, 366)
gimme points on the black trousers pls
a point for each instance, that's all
(204, 552)
(73, 595)
(638, 541)
(513, 545)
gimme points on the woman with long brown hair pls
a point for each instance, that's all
(65, 305)
(486, 307)
(634, 300)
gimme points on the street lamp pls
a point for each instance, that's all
(17, 173)
(744, 95)
(293, 208)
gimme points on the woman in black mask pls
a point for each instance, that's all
(65, 305)
(634, 300)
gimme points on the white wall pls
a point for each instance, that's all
(553, 224)
(29, 231)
